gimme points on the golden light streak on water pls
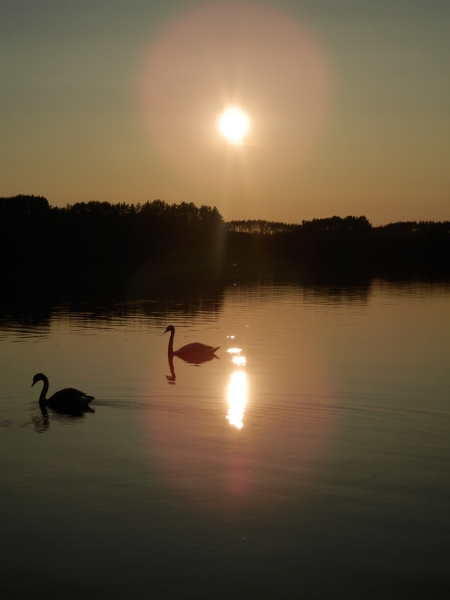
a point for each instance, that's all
(239, 361)
(237, 398)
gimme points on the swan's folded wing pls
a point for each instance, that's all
(70, 395)
(195, 348)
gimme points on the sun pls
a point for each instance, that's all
(234, 124)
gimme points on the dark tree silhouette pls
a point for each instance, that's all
(90, 242)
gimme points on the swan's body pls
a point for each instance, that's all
(69, 397)
(195, 352)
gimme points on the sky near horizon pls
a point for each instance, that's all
(348, 102)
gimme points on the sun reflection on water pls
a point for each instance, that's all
(237, 398)
(239, 361)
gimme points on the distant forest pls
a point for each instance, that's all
(97, 240)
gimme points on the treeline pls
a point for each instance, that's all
(330, 225)
(340, 225)
(99, 240)
(416, 227)
(259, 226)
(103, 237)
(348, 246)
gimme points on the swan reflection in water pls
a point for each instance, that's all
(172, 377)
(65, 414)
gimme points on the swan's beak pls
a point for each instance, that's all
(33, 383)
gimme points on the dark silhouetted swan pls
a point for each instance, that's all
(69, 397)
(194, 353)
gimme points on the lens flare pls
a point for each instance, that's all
(263, 68)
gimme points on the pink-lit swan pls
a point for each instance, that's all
(195, 352)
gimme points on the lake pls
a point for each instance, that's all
(310, 459)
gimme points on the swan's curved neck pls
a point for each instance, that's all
(43, 396)
(170, 350)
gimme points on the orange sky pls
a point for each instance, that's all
(349, 105)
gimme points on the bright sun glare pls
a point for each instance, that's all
(234, 124)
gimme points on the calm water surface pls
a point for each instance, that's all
(310, 460)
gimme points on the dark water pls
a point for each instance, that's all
(313, 463)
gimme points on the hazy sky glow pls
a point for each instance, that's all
(348, 103)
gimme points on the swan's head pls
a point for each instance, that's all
(38, 377)
(170, 328)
